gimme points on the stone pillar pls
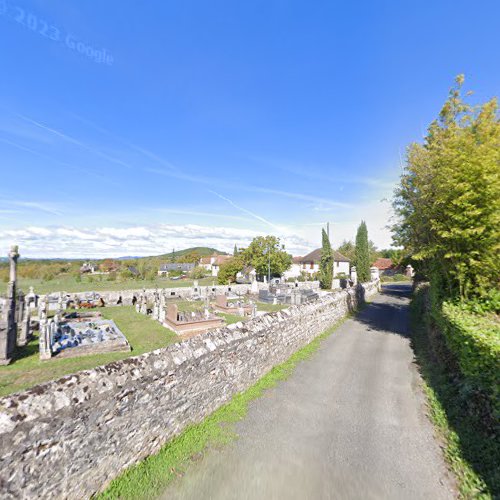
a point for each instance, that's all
(25, 332)
(354, 275)
(31, 298)
(8, 331)
(44, 341)
(21, 304)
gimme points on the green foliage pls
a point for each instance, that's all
(265, 249)
(197, 273)
(475, 340)
(229, 270)
(348, 249)
(362, 254)
(326, 263)
(448, 200)
(470, 444)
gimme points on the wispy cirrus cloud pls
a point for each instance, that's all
(76, 142)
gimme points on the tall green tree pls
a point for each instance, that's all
(448, 201)
(264, 251)
(362, 253)
(326, 263)
(235, 251)
(347, 249)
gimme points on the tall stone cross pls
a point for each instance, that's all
(8, 325)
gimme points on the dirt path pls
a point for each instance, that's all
(349, 423)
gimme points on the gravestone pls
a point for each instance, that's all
(221, 300)
(172, 312)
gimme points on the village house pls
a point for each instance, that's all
(294, 270)
(310, 263)
(213, 262)
(164, 269)
(89, 267)
(385, 266)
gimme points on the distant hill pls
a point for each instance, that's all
(202, 251)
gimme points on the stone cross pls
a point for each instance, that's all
(8, 326)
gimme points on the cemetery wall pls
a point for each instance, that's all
(111, 297)
(68, 438)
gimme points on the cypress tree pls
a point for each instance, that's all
(362, 254)
(235, 251)
(326, 264)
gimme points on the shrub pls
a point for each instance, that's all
(475, 341)
(197, 273)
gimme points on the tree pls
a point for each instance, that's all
(326, 263)
(362, 254)
(265, 252)
(347, 249)
(229, 270)
(192, 257)
(448, 201)
(197, 273)
(235, 251)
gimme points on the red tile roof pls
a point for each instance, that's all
(383, 263)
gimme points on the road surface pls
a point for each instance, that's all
(349, 423)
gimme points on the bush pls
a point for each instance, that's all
(475, 341)
(197, 273)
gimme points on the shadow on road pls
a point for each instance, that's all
(390, 316)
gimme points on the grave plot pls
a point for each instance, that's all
(238, 307)
(187, 324)
(79, 336)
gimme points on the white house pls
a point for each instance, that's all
(294, 270)
(213, 263)
(310, 263)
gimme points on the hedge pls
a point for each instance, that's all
(475, 341)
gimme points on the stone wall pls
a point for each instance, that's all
(111, 297)
(68, 438)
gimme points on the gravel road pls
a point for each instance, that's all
(349, 423)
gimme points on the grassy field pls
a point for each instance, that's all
(143, 333)
(100, 282)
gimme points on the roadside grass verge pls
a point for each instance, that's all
(470, 448)
(150, 477)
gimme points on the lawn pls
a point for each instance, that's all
(100, 282)
(143, 333)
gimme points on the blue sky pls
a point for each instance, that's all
(129, 128)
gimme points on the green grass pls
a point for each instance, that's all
(100, 282)
(472, 452)
(149, 478)
(263, 306)
(143, 333)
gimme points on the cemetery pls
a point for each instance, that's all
(48, 335)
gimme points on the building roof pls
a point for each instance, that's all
(176, 267)
(383, 263)
(315, 256)
(218, 259)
